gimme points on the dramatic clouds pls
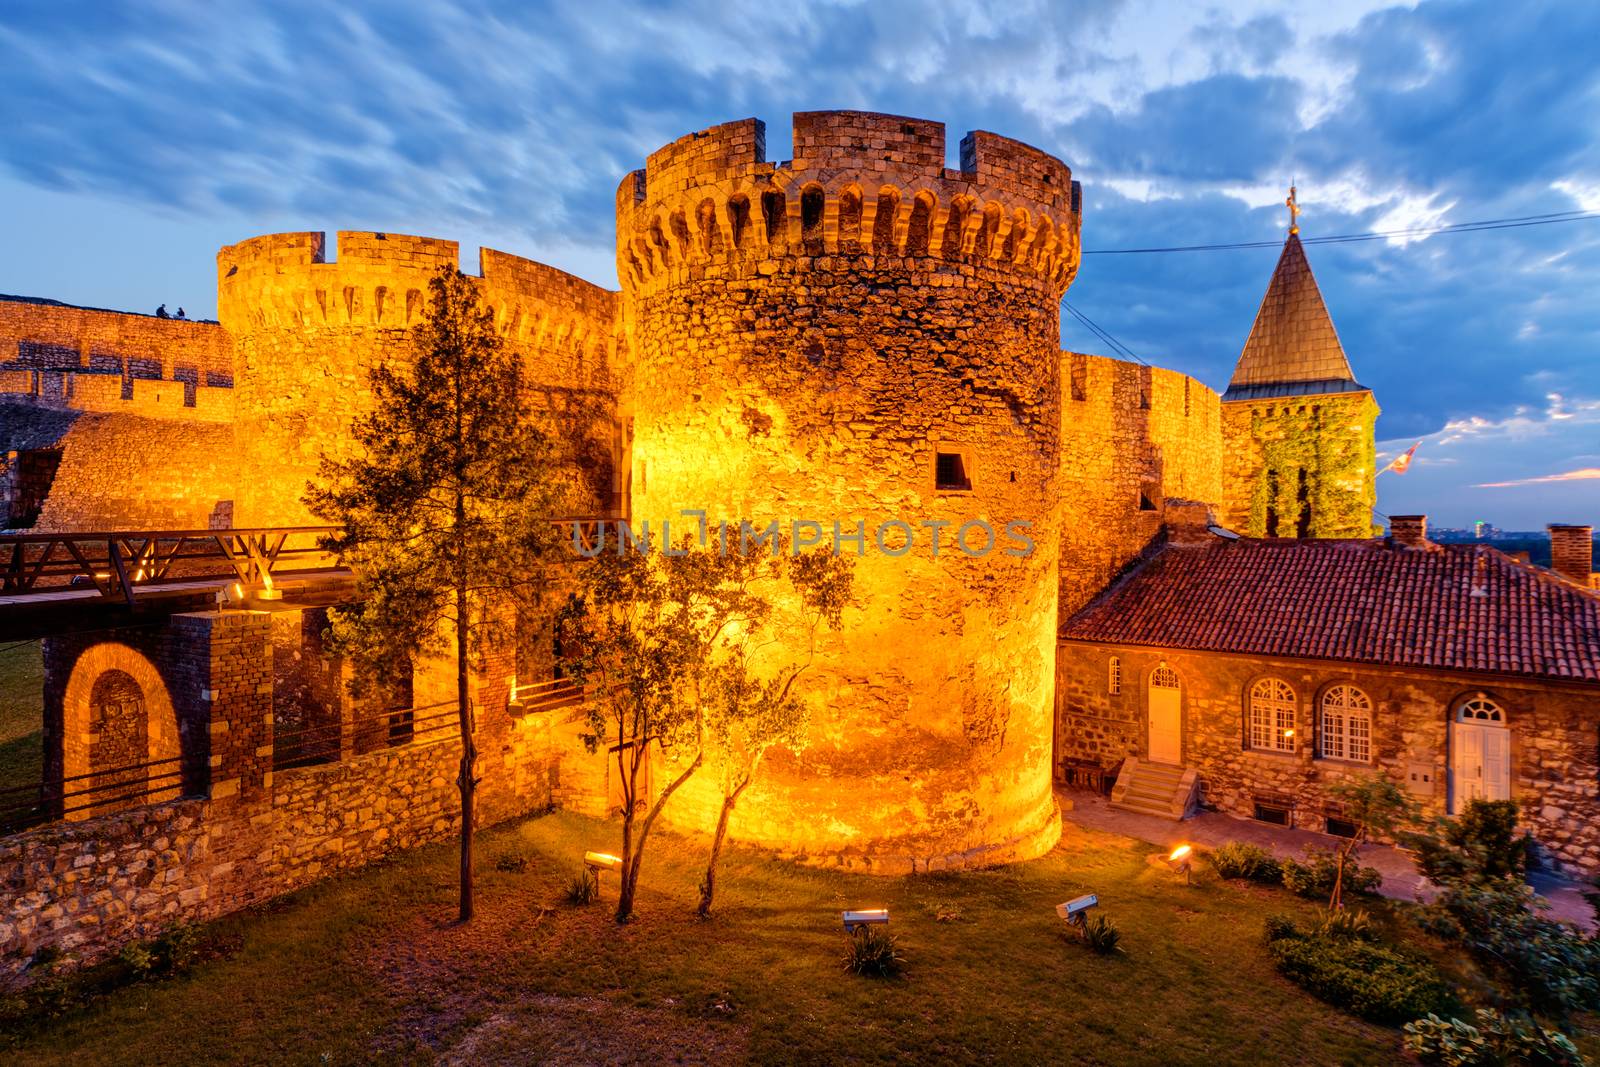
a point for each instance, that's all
(140, 136)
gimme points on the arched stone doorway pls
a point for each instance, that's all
(120, 743)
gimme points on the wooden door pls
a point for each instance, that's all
(1166, 717)
(1480, 764)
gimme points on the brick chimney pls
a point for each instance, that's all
(1408, 530)
(1188, 522)
(1572, 551)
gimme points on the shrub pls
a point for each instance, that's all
(874, 953)
(584, 888)
(1315, 877)
(1370, 980)
(1482, 842)
(1280, 927)
(178, 948)
(1542, 965)
(1102, 935)
(1355, 924)
(511, 863)
(137, 958)
(1252, 863)
(1496, 1040)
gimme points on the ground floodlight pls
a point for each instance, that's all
(1181, 861)
(862, 918)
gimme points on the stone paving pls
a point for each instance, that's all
(1211, 829)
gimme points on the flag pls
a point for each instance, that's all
(1402, 462)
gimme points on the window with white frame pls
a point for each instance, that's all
(1114, 676)
(1272, 715)
(1346, 724)
(1480, 709)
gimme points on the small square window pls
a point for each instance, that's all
(1341, 827)
(1272, 813)
(950, 471)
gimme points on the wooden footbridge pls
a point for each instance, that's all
(62, 582)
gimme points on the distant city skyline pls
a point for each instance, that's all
(146, 136)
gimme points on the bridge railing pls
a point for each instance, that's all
(115, 563)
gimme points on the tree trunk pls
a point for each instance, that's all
(630, 778)
(465, 781)
(630, 866)
(708, 887)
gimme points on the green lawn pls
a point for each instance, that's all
(21, 682)
(371, 967)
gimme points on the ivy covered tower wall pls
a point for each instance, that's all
(863, 335)
(1299, 430)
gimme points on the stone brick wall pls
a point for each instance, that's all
(804, 338)
(92, 885)
(1271, 440)
(306, 331)
(1132, 437)
(1554, 744)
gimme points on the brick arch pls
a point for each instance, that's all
(161, 719)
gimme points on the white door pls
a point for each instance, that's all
(1166, 717)
(1480, 763)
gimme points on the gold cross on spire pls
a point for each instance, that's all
(1294, 212)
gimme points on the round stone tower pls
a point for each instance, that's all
(863, 336)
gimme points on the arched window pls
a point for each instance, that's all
(1346, 724)
(1114, 675)
(1480, 709)
(1163, 677)
(1271, 712)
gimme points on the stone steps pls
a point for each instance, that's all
(1160, 789)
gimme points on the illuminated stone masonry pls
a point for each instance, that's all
(860, 335)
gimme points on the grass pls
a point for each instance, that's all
(21, 714)
(371, 966)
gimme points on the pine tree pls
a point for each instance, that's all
(444, 506)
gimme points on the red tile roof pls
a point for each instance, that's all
(1446, 607)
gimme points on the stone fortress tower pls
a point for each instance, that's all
(862, 335)
(1302, 456)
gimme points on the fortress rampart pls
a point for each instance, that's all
(307, 329)
(1132, 437)
(808, 339)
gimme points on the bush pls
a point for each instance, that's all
(1314, 878)
(511, 863)
(1496, 1040)
(1370, 980)
(1280, 927)
(178, 948)
(1542, 965)
(1102, 935)
(1347, 925)
(1483, 842)
(873, 952)
(1252, 863)
(584, 888)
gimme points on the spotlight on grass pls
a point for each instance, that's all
(1181, 862)
(863, 918)
(600, 861)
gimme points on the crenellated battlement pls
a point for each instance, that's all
(862, 184)
(380, 281)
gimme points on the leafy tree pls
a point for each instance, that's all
(1482, 842)
(639, 637)
(748, 714)
(1375, 805)
(444, 509)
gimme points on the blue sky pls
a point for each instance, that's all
(138, 137)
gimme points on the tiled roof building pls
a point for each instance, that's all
(1449, 607)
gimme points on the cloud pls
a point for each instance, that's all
(1585, 474)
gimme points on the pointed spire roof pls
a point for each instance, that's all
(1293, 349)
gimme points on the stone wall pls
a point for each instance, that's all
(306, 330)
(1294, 458)
(245, 833)
(1132, 437)
(805, 339)
(1555, 778)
